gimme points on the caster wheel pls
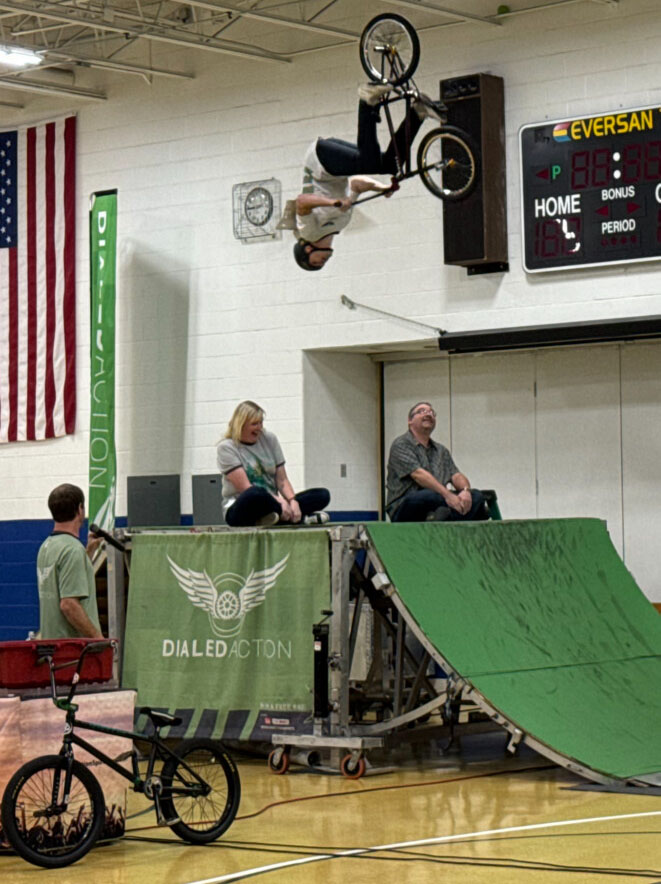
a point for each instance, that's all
(278, 761)
(352, 769)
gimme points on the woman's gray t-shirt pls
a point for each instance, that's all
(259, 459)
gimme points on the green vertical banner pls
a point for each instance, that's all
(219, 628)
(103, 259)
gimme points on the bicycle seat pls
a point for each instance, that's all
(160, 719)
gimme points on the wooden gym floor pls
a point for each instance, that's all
(476, 817)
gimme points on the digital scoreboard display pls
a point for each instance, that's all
(591, 190)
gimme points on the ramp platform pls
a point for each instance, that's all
(547, 629)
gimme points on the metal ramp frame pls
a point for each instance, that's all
(358, 570)
(396, 694)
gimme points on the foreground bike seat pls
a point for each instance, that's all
(160, 719)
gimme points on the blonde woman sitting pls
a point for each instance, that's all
(256, 488)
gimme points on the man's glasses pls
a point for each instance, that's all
(425, 411)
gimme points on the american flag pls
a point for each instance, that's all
(37, 281)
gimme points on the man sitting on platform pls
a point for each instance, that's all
(419, 471)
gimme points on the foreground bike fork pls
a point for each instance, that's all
(56, 807)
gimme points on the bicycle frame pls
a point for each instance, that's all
(158, 751)
(402, 159)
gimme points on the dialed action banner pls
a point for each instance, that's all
(103, 256)
(219, 628)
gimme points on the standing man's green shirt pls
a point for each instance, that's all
(64, 571)
(67, 589)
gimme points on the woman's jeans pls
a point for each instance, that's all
(255, 503)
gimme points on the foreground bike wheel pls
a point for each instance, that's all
(389, 49)
(447, 163)
(201, 818)
(44, 834)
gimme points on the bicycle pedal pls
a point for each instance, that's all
(163, 822)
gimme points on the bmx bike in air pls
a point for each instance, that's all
(53, 808)
(447, 159)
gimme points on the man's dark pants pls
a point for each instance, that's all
(418, 506)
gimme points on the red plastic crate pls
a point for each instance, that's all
(19, 666)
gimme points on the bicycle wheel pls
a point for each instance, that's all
(49, 836)
(201, 817)
(389, 49)
(447, 163)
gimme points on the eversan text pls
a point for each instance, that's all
(241, 648)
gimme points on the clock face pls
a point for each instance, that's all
(258, 206)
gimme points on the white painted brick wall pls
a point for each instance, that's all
(204, 321)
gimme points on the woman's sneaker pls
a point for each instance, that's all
(268, 520)
(316, 519)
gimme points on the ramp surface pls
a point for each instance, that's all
(545, 622)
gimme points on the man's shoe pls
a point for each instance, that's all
(372, 93)
(440, 514)
(316, 519)
(427, 109)
(268, 520)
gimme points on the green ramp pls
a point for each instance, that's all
(549, 629)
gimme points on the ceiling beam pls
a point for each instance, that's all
(109, 64)
(300, 24)
(124, 23)
(442, 10)
(25, 85)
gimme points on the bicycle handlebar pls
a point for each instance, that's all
(94, 646)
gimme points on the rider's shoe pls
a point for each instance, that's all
(427, 108)
(372, 93)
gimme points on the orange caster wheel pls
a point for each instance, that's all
(351, 768)
(278, 761)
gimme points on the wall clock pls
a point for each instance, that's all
(256, 209)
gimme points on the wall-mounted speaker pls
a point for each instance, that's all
(475, 229)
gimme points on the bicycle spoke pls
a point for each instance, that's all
(46, 827)
(389, 49)
(446, 163)
(203, 808)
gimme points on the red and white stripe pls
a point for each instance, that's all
(37, 290)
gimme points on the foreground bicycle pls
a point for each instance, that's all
(447, 160)
(53, 809)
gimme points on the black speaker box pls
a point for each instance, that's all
(475, 229)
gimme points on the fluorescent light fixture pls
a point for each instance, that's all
(18, 58)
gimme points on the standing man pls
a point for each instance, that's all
(419, 470)
(67, 589)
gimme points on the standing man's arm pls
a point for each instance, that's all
(75, 614)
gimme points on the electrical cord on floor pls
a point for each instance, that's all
(394, 786)
(409, 856)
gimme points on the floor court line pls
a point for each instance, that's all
(443, 839)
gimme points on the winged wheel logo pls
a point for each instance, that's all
(228, 597)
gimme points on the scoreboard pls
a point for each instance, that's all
(591, 190)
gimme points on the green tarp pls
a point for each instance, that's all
(219, 628)
(544, 620)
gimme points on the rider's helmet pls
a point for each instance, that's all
(302, 257)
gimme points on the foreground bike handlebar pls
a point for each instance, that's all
(47, 656)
